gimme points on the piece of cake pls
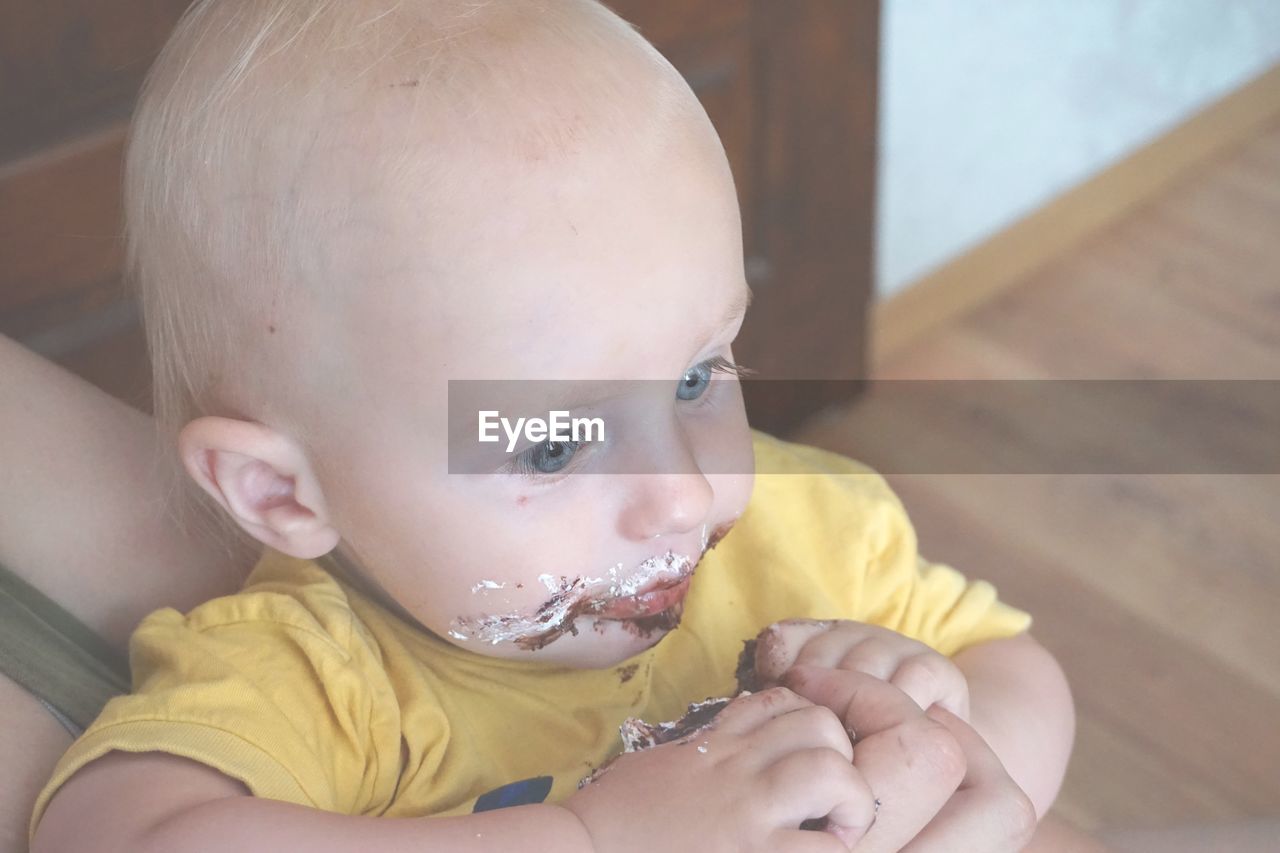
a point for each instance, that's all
(638, 734)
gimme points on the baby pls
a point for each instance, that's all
(334, 209)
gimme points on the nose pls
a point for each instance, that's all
(664, 504)
(667, 492)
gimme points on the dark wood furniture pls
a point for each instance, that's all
(791, 87)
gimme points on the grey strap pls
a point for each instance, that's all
(51, 654)
(63, 720)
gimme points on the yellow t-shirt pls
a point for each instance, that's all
(307, 691)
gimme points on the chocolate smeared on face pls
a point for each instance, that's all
(571, 599)
(554, 617)
(667, 620)
(716, 535)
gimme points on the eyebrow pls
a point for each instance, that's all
(736, 310)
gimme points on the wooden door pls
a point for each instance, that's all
(790, 86)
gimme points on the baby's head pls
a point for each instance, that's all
(337, 207)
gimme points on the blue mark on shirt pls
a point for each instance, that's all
(522, 793)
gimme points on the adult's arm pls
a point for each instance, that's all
(30, 743)
(83, 504)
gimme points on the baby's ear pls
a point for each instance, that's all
(263, 479)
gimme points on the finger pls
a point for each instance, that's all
(812, 727)
(745, 714)
(875, 656)
(821, 784)
(930, 678)
(982, 766)
(912, 762)
(864, 703)
(914, 768)
(826, 649)
(989, 811)
(778, 646)
(806, 841)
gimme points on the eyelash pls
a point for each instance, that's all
(523, 465)
(720, 364)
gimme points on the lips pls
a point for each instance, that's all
(651, 600)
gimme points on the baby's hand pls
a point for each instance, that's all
(768, 762)
(914, 668)
(939, 786)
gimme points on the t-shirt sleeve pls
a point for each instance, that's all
(878, 575)
(929, 601)
(283, 693)
(937, 605)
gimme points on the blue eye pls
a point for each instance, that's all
(547, 457)
(696, 379)
(694, 382)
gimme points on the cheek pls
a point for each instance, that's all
(428, 540)
(738, 493)
(723, 441)
(510, 542)
(734, 463)
(439, 550)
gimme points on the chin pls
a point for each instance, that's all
(599, 643)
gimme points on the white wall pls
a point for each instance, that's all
(990, 108)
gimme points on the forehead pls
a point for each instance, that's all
(613, 261)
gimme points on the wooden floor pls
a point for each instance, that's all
(1159, 593)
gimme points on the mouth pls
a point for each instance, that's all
(655, 598)
(651, 599)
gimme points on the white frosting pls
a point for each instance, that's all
(566, 597)
(637, 734)
(514, 626)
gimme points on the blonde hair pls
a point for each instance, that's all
(223, 219)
